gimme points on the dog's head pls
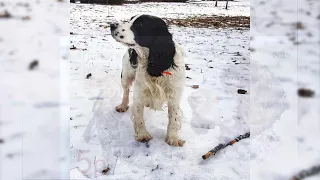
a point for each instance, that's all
(150, 32)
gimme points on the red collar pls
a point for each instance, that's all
(166, 73)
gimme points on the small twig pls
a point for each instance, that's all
(105, 171)
(213, 151)
(307, 173)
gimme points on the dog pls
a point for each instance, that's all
(155, 62)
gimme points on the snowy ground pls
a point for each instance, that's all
(33, 108)
(219, 62)
(284, 57)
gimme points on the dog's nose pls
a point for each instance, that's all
(113, 26)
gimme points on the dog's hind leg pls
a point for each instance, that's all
(175, 116)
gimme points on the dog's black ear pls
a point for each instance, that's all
(161, 53)
(152, 32)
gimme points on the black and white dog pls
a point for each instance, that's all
(156, 64)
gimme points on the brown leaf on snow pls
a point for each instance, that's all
(26, 18)
(195, 86)
(303, 92)
(242, 91)
(6, 14)
(299, 25)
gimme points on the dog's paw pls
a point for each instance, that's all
(143, 137)
(174, 141)
(122, 108)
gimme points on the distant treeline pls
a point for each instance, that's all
(118, 2)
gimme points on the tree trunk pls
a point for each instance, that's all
(227, 4)
(216, 3)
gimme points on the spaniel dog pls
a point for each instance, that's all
(156, 64)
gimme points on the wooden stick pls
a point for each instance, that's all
(207, 155)
(213, 151)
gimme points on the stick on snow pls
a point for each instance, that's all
(306, 173)
(213, 151)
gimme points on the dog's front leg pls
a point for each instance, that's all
(175, 116)
(141, 133)
(126, 82)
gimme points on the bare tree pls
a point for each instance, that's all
(216, 3)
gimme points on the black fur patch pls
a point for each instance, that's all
(152, 32)
(133, 58)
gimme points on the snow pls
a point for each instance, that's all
(33, 107)
(287, 124)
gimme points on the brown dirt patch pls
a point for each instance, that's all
(212, 22)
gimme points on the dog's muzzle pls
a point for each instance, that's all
(113, 26)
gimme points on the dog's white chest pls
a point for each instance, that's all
(154, 91)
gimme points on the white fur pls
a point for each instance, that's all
(127, 33)
(150, 91)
